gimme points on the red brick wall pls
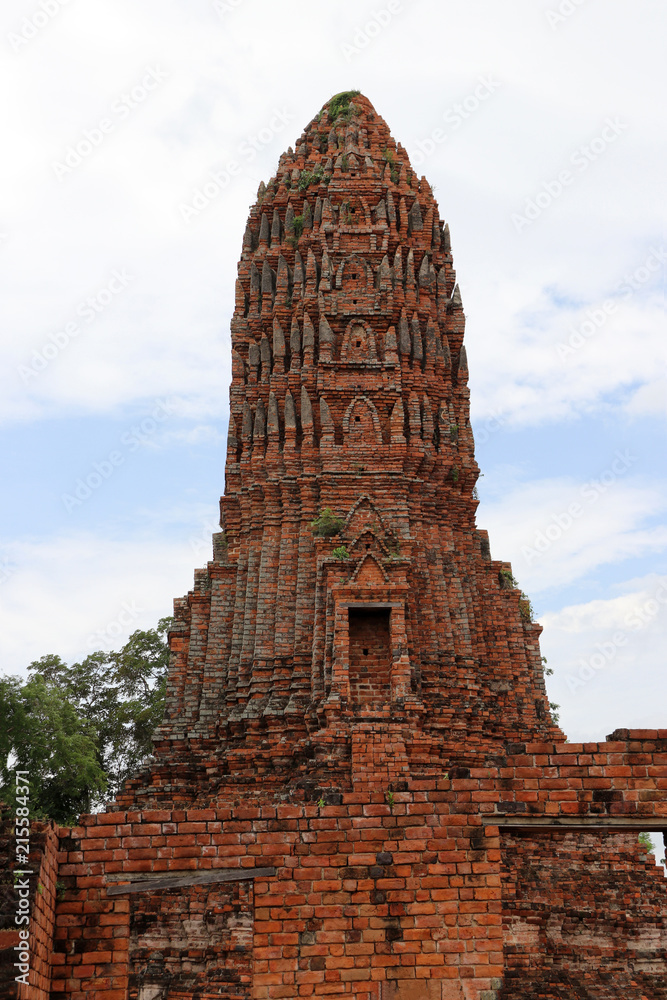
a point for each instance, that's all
(401, 881)
(623, 778)
(366, 892)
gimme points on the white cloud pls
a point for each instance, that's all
(608, 662)
(649, 399)
(200, 434)
(552, 362)
(78, 592)
(557, 531)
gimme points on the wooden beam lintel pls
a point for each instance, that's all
(640, 823)
(161, 881)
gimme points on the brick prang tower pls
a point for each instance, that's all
(350, 396)
(358, 789)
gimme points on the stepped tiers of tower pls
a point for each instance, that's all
(358, 789)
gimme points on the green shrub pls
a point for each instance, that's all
(340, 105)
(326, 524)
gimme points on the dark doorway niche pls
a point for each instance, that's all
(370, 654)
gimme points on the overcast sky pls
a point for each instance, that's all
(541, 126)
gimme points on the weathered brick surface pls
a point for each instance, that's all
(582, 911)
(42, 864)
(362, 714)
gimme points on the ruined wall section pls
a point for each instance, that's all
(40, 872)
(583, 916)
(401, 886)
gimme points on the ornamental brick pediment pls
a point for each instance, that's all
(361, 424)
(369, 573)
(358, 343)
(364, 516)
(355, 272)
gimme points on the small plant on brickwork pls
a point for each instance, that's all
(320, 803)
(394, 548)
(220, 547)
(326, 524)
(340, 553)
(507, 580)
(390, 799)
(555, 714)
(60, 890)
(455, 474)
(309, 177)
(388, 157)
(547, 670)
(526, 608)
(40, 888)
(454, 432)
(343, 167)
(298, 225)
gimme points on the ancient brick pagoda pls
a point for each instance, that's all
(358, 789)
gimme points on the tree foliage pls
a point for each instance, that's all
(81, 730)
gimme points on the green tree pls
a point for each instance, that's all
(646, 842)
(81, 730)
(42, 733)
